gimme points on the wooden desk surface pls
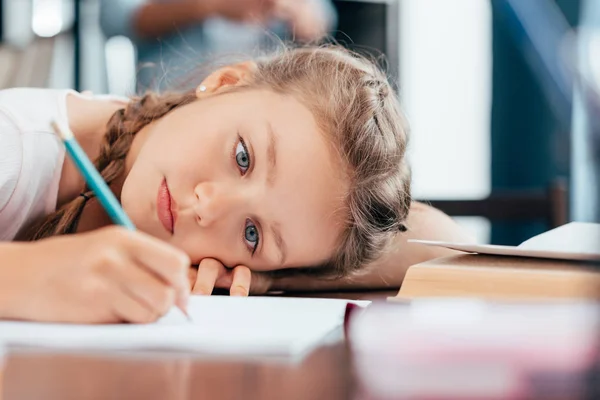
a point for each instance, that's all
(328, 373)
(325, 374)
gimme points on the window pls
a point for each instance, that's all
(445, 75)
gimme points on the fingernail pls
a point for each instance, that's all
(238, 292)
(183, 299)
(181, 304)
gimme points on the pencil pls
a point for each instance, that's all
(93, 178)
(95, 181)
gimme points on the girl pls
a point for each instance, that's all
(292, 164)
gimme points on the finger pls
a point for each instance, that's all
(259, 12)
(209, 271)
(146, 287)
(240, 285)
(128, 308)
(266, 4)
(182, 302)
(166, 261)
(192, 276)
(283, 10)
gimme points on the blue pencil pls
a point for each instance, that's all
(96, 182)
(93, 178)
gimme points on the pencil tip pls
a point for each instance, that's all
(187, 315)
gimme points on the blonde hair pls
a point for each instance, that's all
(356, 108)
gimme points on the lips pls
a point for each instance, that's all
(164, 207)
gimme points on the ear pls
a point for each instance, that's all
(227, 77)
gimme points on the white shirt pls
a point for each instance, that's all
(31, 155)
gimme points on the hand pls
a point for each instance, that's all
(240, 10)
(106, 276)
(240, 280)
(306, 17)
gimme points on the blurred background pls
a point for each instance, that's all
(501, 94)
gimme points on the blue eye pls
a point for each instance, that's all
(242, 157)
(251, 236)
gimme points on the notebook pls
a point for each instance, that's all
(269, 326)
(574, 241)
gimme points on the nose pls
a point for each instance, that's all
(213, 202)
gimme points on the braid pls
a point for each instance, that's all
(121, 129)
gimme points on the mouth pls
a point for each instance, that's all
(164, 207)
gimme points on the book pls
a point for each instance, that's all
(561, 263)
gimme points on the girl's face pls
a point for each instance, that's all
(245, 177)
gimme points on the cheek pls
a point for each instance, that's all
(201, 244)
(192, 157)
(132, 193)
(188, 145)
(138, 205)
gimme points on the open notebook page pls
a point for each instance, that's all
(576, 237)
(220, 325)
(573, 241)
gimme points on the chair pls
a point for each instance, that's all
(549, 206)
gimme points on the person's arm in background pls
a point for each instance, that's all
(146, 19)
(424, 222)
(306, 20)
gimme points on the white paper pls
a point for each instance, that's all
(575, 241)
(220, 325)
(576, 237)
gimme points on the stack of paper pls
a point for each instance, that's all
(220, 325)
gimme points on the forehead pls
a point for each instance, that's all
(307, 192)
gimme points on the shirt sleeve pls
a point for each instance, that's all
(10, 158)
(116, 16)
(330, 14)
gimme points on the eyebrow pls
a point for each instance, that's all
(281, 246)
(271, 155)
(271, 174)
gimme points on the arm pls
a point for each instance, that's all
(154, 20)
(148, 19)
(307, 20)
(12, 255)
(424, 222)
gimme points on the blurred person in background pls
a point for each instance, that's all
(177, 35)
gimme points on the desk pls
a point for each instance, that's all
(328, 373)
(45, 374)
(325, 374)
